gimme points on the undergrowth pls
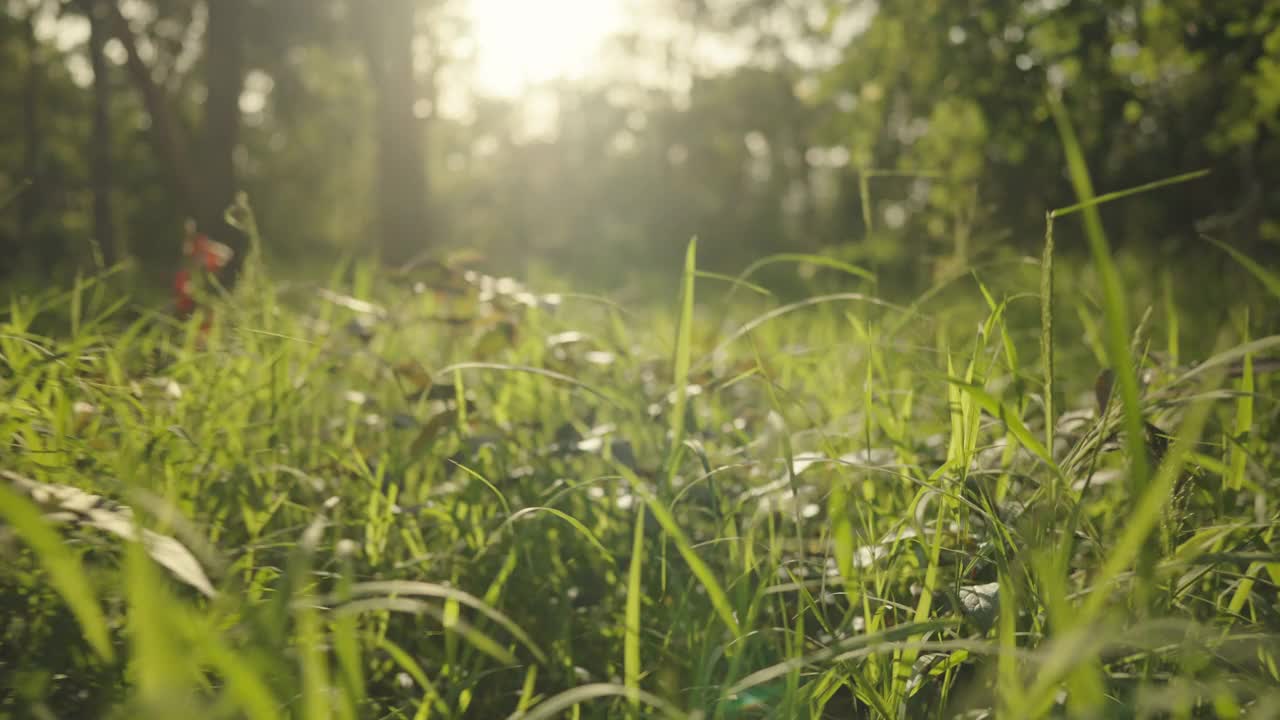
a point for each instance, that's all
(434, 493)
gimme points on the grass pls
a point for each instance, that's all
(439, 494)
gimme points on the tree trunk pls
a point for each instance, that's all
(100, 148)
(166, 134)
(224, 81)
(402, 219)
(205, 190)
(31, 202)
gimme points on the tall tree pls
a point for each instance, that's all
(206, 189)
(33, 143)
(401, 221)
(224, 70)
(101, 139)
(166, 131)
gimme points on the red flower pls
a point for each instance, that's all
(210, 253)
(201, 254)
(182, 290)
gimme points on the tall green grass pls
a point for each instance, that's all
(397, 496)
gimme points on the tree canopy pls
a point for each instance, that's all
(882, 132)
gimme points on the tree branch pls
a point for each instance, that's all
(166, 134)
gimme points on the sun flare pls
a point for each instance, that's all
(522, 43)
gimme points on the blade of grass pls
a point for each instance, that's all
(1145, 515)
(1171, 319)
(801, 258)
(417, 588)
(635, 595)
(1244, 418)
(1269, 279)
(574, 522)
(1225, 357)
(555, 705)
(602, 394)
(734, 283)
(312, 651)
(792, 307)
(1091, 201)
(1046, 333)
(1009, 683)
(681, 362)
(715, 593)
(1115, 305)
(242, 679)
(415, 671)
(1008, 416)
(847, 645)
(155, 660)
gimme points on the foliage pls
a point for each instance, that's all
(425, 494)
(915, 131)
(869, 475)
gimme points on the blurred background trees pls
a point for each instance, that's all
(881, 133)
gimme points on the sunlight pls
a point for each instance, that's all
(522, 43)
